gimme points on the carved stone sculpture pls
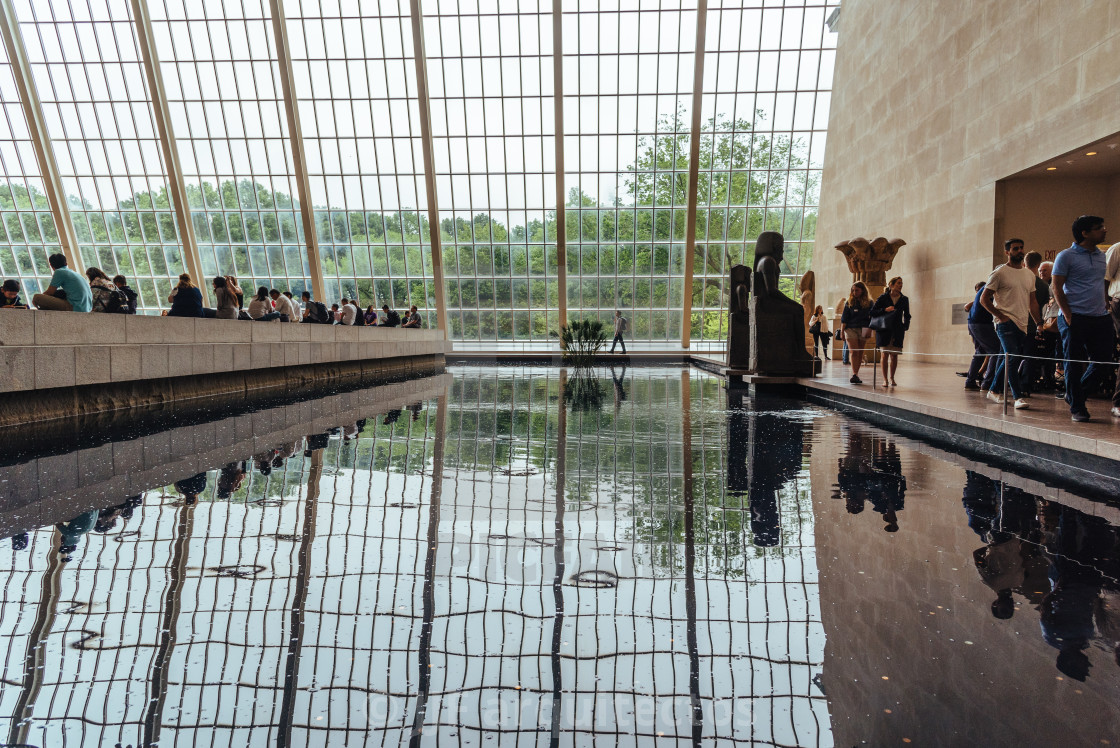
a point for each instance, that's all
(739, 319)
(869, 261)
(777, 322)
(808, 288)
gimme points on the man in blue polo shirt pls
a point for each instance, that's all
(1084, 324)
(77, 298)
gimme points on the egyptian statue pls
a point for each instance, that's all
(777, 322)
(739, 319)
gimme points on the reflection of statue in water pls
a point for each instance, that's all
(739, 319)
(764, 453)
(777, 322)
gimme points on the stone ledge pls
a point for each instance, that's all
(50, 350)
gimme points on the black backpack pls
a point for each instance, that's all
(116, 301)
(317, 312)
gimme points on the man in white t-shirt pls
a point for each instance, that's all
(349, 312)
(283, 305)
(1009, 296)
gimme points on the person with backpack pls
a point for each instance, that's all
(389, 317)
(122, 283)
(621, 325)
(315, 312)
(106, 296)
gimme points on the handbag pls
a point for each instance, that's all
(884, 321)
(815, 328)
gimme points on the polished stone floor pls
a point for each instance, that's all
(927, 386)
(517, 555)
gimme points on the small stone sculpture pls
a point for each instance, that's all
(869, 261)
(808, 287)
(777, 322)
(739, 319)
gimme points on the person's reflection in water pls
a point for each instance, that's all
(871, 471)
(20, 541)
(765, 452)
(318, 441)
(73, 530)
(392, 417)
(1009, 562)
(191, 487)
(1081, 550)
(230, 479)
(107, 518)
(416, 408)
(619, 390)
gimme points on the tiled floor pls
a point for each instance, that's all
(936, 389)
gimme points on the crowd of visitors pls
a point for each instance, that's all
(1055, 325)
(97, 292)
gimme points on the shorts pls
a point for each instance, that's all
(855, 338)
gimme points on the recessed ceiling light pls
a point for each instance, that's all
(1091, 153)
(1051, 168)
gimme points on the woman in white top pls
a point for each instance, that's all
(818, 325)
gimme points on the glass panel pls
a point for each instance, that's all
(493, 127)
(87, 66)
(223, 89)
(762, 146)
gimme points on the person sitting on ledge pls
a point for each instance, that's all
(9, 298)
(414, 321)
(225, 299)
(347, 313)
(122, 283)
(283, 305)
(67, 292)
(371, 316)
(106, 297)
(389, 318)
(260, 308)
(185, 298)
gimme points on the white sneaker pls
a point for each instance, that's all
(1115, 412)
(1021, 404)
(995, 397)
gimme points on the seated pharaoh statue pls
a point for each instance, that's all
(739, 319)
(777, 322)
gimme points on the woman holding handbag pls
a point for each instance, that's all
(890, 318)
(855, 326)
(818, 326)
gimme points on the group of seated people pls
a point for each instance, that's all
(69, 292)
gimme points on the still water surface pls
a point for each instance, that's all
(518, 557)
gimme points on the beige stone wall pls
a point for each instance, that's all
(49, 350)
(933, 102)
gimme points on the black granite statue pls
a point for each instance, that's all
(739, 319)
(777, 322)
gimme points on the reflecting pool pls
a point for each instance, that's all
(521, 555)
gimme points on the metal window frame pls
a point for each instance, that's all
(693, 172)
(295, 139)
(36, 125)
(421, 58)
(561, 193)
(162, 114)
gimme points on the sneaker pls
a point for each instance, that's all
(972, 387)
(995, 397)
(1060, 395)
(855, 380)
(1115, 412)
(1081, 416)
(1021, 404)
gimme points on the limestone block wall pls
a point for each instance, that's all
(933, 103)
(49, 350)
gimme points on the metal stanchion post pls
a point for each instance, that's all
(1006, 376)
(874, 366)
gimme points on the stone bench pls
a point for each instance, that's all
(48, 350)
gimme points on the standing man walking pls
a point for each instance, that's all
(1084, 324)
(1009, 296)
(620, 327)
